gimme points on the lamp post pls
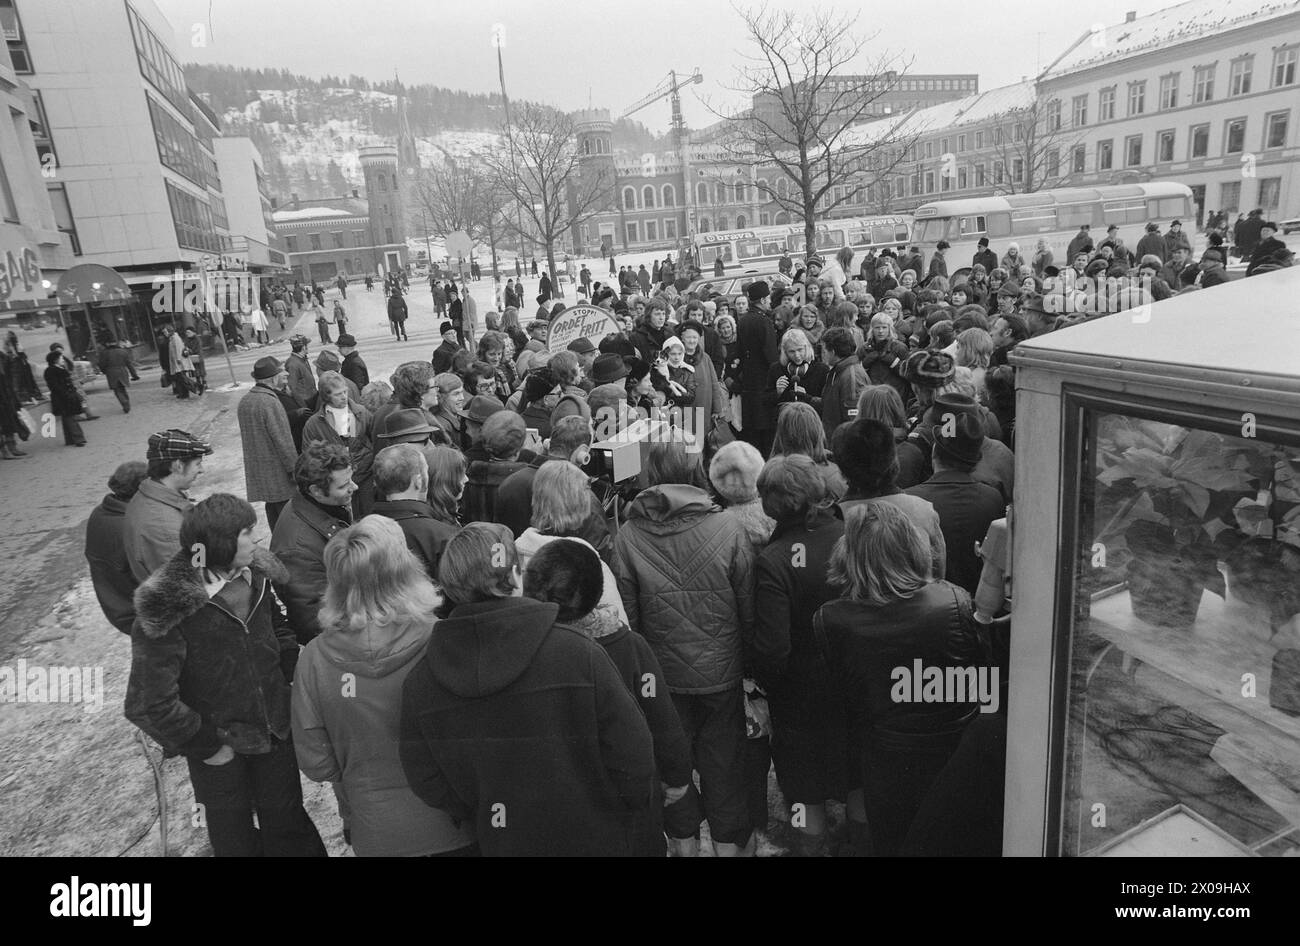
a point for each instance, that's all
(499, 42)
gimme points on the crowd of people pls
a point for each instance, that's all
(488, 647)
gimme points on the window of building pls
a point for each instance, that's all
(632, 231)
(1275, 127)
(219, 211)
(1106, 104)
(1018, 130)
(1054, 115)
(1132, 151)
(929, 182)
(945, 146)
(1018, 170)
(979, 175)
(651, 231)
(8, 208)
(338, 239)
(670, 196)
(1137, 97)
(1270, 192)
(63, 216)
(722, 223)
(629, 198)
(1230, 196)
(1234, 136)
(192, 219)
(1284, 61)
(670, 229)
(1052, 164)
(1079, 110)
(979, 140)
(720, 192)
(13, 30)
(1078, 159)
(961, 143)
(388, 235)
(1164, 146)
(1203, 83)
(1105, 154)
(356, 265)
(1200, 138)
(999, 172)
(962, 178)
(702, 192)
(1169, 91)
(383, 183)
(315, 241)
(997, 135)
(358, 237)
(929, 149)
(384, 209)
(648, 197)
(40, 126)
(1239, 74)
(291, 243)
(157, 64)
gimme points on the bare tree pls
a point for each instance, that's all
(1034, 147)
(542, 183)
(460, 195)
(801, 127)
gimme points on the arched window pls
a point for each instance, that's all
(701, 193)
(722, 197)
(722, 223)
(586, 146)
(704, 222)
(629, 199)
(670, 196)
(782, 187)
(647, 196)
(383, 183)
(781, 218)
(740, 221)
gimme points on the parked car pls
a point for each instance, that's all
(734, 284)
(1290, 225)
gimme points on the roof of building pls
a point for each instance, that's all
(1174, 25)
(980, 107)
(322, 209)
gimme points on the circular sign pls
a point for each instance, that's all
(580, 321)
(459, 243)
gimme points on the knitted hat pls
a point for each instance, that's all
(815, 259)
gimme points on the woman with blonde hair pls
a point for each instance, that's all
(800, 431)
(450, 416)
(974, 349)
(798, 377)
(893, 613)
(376, 620)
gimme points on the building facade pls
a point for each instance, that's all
(248, 206)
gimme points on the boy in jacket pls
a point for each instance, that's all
(211, 663)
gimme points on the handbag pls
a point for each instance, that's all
(720, 435)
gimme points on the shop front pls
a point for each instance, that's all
(1155, 656)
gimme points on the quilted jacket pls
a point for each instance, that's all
(685, 573)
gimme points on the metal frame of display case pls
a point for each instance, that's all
(1202, 358)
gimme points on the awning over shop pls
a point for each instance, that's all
(91, 282)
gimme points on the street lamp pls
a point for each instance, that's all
(498, 43)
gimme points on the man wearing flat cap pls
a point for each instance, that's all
(267, 436)
(151, 534)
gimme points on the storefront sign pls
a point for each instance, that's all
(581, 321)
(20, 274)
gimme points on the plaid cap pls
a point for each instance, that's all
(176, 445)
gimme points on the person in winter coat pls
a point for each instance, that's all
(1042, 258)
(211, 663)
(844, 381)
(353, 368)
(266, 435)
(321, 508)
(792, 582)
(503, 438)
(675, 378)
(797, 377)
(1012, 261)
(118, 365)
(893, 614)
(1153, 244)
(65, 399)
(302, 380)
(758, 349)
(341, 420)
(1267, 247)
(938, 262)
(883, 356)
(402, 478)
(397, 313)
(711, 402)
(110, 572)
(509, 717)
(376, 620)
(652, 331)
(685, 575)
(1174, 238)
(154, 515)
(985, 256)
(567, 573)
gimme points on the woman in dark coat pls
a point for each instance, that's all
(808, 739)
(892, 615)
(796, 378)
(882, 356)
(759, 350)
(337, 409)
(652, 331)
(65, 399)
(9, 404)
(20, 371)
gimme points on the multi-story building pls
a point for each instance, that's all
(1206, 93)
(325, 237)
(891, 94)
(248, 207)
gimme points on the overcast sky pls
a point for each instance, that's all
(614, 51)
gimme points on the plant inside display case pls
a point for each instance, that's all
(1166, 495)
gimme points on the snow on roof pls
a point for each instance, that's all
(979, 107)
(308, 213)
(1169, 27)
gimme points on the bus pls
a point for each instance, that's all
(756, 247)
(1054, 215)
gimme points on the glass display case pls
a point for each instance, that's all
(1161, 644)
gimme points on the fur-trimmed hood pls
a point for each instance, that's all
(175, 591)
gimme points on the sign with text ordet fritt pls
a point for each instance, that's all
(581, 321)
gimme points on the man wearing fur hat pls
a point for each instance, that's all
(211, 665)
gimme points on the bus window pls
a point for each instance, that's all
(932, 230)
(1033, 220)
(795, 242)
(999, 225)
(901, 234)
(973, 224)
(773, 246)
(1073, 216)
(883, 235)
(830, 239)
(749, 249)
(1126, 210)
(865, 236)
(710, 253)
(1168, 207)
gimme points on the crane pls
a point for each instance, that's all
(670, 89)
